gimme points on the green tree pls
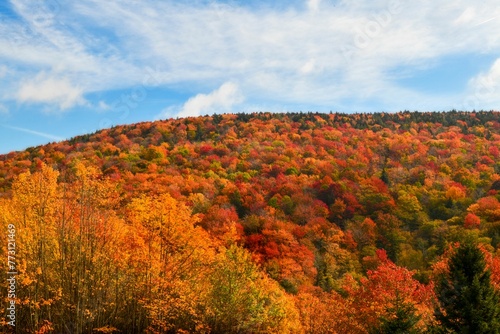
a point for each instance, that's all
(467, 300)
(402, 319)
(244, 300)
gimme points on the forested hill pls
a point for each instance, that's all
(136, 147)
(337, 218)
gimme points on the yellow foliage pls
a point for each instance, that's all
(455, 193)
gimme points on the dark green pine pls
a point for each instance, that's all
(402, 319)
(467, 299)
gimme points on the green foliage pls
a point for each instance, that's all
(468, 302)
(287, 205)
(242, 299)
(289, 286)
(150, 154)
(292, 171)
(236, 200)
(402, 319)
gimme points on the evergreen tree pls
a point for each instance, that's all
(402, 319)
(384, 177)
(468, 302)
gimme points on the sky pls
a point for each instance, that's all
(74, 67)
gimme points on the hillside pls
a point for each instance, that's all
(300, 222)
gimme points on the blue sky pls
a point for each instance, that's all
(73, 67)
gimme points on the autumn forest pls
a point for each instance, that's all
(258, 223)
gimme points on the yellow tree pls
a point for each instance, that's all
(67, 237)
(171, 258)
(326, 312)
(90, 236)
(34, 205)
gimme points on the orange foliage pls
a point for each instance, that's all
(384, 286)
(472, 221)
(127, 227)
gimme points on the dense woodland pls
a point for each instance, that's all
(260, 223)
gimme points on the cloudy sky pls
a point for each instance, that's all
(73, 67)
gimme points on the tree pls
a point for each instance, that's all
(467, 300)
(244, 300)
(325, 312)
(34, 208)
(472, 221)
(171, 259)
(390, 300)
(403, 319)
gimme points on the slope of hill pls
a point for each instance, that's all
(250, 222)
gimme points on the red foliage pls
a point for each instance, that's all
(254, 242)
(299, 232)
(385, 286)
(271, 250)
(206, 149)
(472, 221)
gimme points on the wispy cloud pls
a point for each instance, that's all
(103, 106)
(313, 4)
(322, 52)
(220, 100)
(488, 20)
(50, 90)
(36, 133)
(484, 90)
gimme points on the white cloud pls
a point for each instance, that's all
(488, 20)
(308, 67)
(467, 16)
(3, 109)
(36, 133)
(51, 90)
(484, 90)
(313, 4)
(103, 106)
(219, 100)
(342, 52)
